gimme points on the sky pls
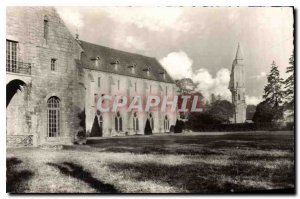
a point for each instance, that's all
(194, 42)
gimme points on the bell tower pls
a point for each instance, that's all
(237, 87)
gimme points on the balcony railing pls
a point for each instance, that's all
(19, 67)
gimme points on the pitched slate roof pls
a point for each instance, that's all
(108, 56)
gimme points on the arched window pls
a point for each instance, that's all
(151, 121)
(53, 116)
(239, 97)
(135, 122)
(166, 123)
(118, 122)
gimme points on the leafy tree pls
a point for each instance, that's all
(186, 85)
(273, 92)
(264, 113)
(289, 84)
(221, 110)
(250, 111)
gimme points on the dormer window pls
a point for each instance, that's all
(96, 60)
(115, 62)
(147, 69)
(163, 74)
(132, 67)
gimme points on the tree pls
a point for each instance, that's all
(250, 111)
(264, 113)
(273, 92)
(289, 85)
(221, 110)
(185, 85)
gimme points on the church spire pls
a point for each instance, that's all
(239, 54)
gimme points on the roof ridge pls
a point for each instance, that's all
(123, 51)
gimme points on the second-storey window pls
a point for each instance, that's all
(53, 64)
(11, 56)
(46, 27)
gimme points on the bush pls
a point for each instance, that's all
(148, 130)
(178, 126)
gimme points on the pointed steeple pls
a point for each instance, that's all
(239, 54)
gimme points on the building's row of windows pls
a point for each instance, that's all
(119, 127)
(135, 86)
(53, 119)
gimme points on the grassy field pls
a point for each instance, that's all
(239, 162)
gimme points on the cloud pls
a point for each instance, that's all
(253, 100)
(132, 42)
(71, 16)
(178, 65)
(218, 85)
(260, 76)
(152, 18)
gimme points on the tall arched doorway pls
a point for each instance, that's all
(118, 123)
(135, 123)
(166, 124)
(16, 107)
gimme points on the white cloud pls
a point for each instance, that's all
(261, 75)
(132, 42)
(253, 100)
(71, 16)
(208, 85)
(152, 18)
(129, 42)
(178, 65)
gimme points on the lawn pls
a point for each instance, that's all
(187, 163)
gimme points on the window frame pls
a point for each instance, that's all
(53, 117)
(46, 27)
(11, 56)
(53, 64)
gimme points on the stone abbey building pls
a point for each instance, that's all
(53, 81)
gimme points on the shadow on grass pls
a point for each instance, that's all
(78, 172)
(16, 181)
(206, 178)
(194, 144)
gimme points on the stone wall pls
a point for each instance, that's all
(26, 26)
(109, 86)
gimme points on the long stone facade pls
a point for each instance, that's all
(53, 82)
